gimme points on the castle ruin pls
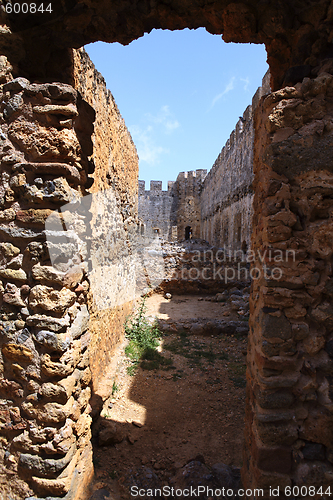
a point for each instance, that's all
(216, 207)
(56, 345)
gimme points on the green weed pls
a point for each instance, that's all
(143, 340)
(131, 370)
(115, 388)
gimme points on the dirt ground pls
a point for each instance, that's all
(170, 416)
(187, 307)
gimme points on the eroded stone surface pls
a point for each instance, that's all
(291, 318)
(296, 35)
(43, 297)
(39, 306)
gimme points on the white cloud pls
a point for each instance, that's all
(247, 82)
(228, 88)
(148, 151)
(171, 125)
(165, 118)
(152, 130)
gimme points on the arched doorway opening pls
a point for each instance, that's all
(244, 23)
(188, 232)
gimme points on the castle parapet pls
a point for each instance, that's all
(142, 187)
(155, 185)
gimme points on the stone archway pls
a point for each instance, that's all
(289, 437)
(297, 36)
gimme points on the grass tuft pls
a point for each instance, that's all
(115, 388)
(143, 342)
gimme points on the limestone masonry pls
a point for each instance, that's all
(217, 206)
(55, 340)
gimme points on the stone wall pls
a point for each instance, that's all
(114, 209)
(196, 267)
(45, 374)
(289, 416)
(227, 196)
(169, 213)
(56, 340)
(189, 186)
(226, 199)
(158, 209)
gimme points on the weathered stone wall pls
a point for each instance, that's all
(289, 418)
(227, 196)
(195, 266)
(53, 355)
(158, 209)
(169, 213)
(189, 186)
(45, 374)
(114, 212)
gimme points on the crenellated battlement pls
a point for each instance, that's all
(155, 186)
(199, 174)
(243, 128)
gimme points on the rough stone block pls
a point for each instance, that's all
(80, 324)
(55, 369)
(54, 341)
(273, 327)
(273, 434)
(66, 110)
(49, 413)
(13, 274)
(17, 352)
(54, 392)
(69, 383)
(49, 467)
(59, 486)
(313, 451)
(273, 459)
(318, 427)
(48, 322)
(8, 250)
(43, 297)
(33, 216)
(274, 400)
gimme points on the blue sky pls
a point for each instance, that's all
(180, 94)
